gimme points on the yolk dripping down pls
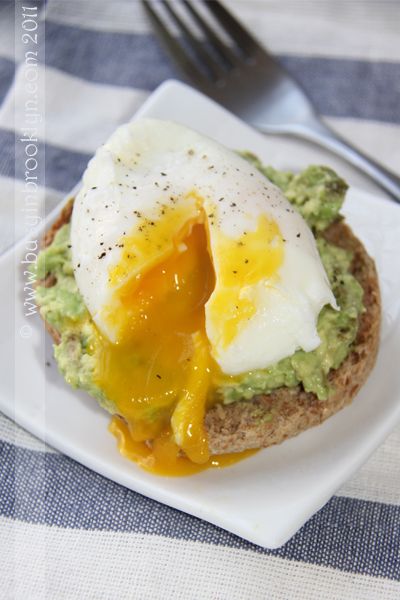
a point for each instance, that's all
(161, 374)
(164, 456)
(162, 363)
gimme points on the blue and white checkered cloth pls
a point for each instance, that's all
(66, 532)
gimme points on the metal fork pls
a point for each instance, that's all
(230, 66)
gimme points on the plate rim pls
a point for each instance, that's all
(275, 540)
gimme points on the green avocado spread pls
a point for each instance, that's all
(318, 194)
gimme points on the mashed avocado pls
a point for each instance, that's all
(62, 306)
(318, 194)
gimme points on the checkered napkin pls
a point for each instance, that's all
(66, 532)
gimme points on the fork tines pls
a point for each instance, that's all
(203, 37)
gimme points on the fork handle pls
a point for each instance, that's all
(321, 134)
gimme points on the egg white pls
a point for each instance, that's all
(141, 167)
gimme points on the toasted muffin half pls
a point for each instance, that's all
(268, 419)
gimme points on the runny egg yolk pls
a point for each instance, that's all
(161, 374)
(254, 256)
(162, 366)
(164, 456)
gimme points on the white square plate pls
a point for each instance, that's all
(266, 498)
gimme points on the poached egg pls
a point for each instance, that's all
(194, 268)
